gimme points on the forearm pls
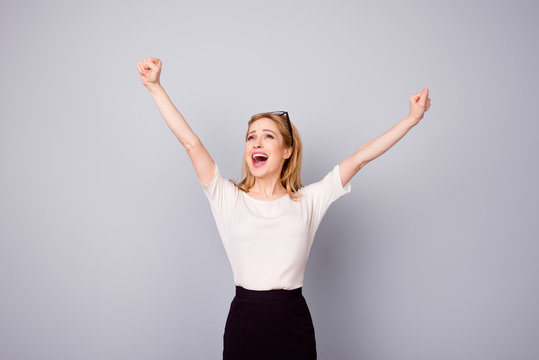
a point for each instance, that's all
(379, 145)
(173, 117)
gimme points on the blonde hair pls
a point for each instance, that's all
(291, 171)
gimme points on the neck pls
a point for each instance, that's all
(268, 187)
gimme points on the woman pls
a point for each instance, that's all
(267, 222)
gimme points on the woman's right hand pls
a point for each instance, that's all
(149, 69)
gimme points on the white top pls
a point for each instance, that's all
(268, 242)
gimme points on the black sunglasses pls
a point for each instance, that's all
(281, 113)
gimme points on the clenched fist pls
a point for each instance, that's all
(419, 103)
(149, 69)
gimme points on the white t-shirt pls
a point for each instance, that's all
(268, 242)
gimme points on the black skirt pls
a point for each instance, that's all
(269, 324)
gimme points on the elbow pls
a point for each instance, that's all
(189, 145)
(361, 159)
(361, 164)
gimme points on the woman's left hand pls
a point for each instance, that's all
(419, 103)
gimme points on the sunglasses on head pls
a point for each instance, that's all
(281, 113)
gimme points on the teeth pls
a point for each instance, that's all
(260, 156)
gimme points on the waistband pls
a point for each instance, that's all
(244, 293)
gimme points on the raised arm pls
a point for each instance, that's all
(419, 103)
(149, 70)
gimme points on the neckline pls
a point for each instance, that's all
(263, 201)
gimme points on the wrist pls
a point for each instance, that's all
(411, 120)
(154, 87)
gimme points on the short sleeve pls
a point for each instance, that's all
(220, 192)
(324, 192)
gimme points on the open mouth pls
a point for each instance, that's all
(259, 159)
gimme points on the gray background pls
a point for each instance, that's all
(108, 247)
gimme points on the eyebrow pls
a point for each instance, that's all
(262, 130)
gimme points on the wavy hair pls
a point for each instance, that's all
(291, 171)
